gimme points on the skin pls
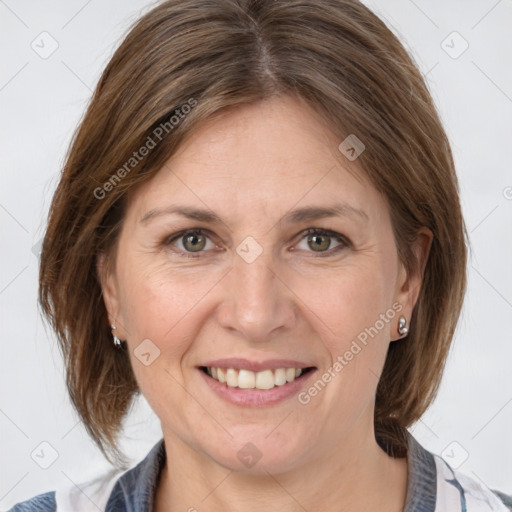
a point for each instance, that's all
(251, 166)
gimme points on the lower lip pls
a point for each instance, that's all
(257, 397)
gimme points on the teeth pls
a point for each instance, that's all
(246, 379)
(280, 377)
(231, 378)
(264, 380)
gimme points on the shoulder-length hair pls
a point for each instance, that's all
(213, 55)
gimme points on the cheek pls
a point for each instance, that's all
(349, 301)
(165, 312)
(155, 307)
(163, 304)
(167, 305)
(354, 315)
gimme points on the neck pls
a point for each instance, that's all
(356, 476)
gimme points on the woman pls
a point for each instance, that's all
(258, 228)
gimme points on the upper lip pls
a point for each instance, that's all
(255, 366)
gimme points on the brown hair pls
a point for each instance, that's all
(334, 54)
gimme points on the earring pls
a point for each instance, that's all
(117, 341)
(403, 330)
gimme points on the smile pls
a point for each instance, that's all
(252, 382)
(247, 379)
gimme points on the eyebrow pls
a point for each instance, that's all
(308, 213)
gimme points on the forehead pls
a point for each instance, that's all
(269, 157)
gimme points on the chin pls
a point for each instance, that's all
(254, 451)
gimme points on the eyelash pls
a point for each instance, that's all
(344, 242)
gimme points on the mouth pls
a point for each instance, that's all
(266, 379)
(255, 383)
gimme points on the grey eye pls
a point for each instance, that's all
(320, 242)
(194, 242)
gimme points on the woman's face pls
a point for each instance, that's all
(252, 290)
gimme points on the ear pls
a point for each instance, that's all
(110, 294)
(409, 281)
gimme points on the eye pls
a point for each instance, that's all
(320, 240)
(191, 241)
(196, 241)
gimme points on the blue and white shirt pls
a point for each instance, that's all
(432, 486)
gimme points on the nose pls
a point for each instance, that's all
(257, 304)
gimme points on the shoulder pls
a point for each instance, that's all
(434, 486)
(88, 496)
(455, 488)
(41, 503)
(116, 489)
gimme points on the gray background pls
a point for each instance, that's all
(42, 100)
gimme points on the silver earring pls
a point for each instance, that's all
(403, 330)
(117, 341)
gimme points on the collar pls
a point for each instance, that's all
(421, 492)
(136, 489)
